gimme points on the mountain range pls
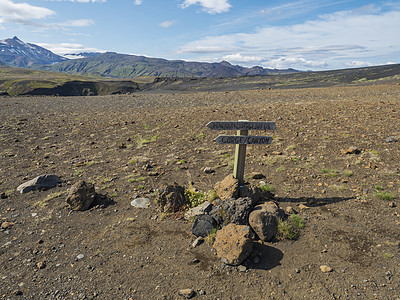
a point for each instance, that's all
(14, 52)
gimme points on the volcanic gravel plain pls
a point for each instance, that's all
(131, 145)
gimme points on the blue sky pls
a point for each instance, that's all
(299, 34)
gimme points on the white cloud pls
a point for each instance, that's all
(358, 64)
(203, 49)
(210, 6)
(138, 2)
(67, 48)
(166, 24)
(294, 62)
(330, 40)
(22, 12)
(81, 1)
(238, 58)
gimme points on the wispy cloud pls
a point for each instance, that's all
(166, 24)
(239, 58)
(296, 8)
(76, 23)
(138, 2)
(210, 6)
(80, 1)
(288, 62)
(67, 48)
(328, 41)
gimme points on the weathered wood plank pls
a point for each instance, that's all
(240, 125)
(243, 139)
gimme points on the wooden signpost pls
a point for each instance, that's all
(241, 140)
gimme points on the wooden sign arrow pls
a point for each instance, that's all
(240, 125)
(243, 139)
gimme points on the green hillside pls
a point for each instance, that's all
(19, 81)
(129, 66)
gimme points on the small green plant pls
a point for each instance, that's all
(330, 173)
(132, 180)
(378, 188)
(141, 141)
(298, 221)
(338, 187)
(384, 195)
(132, 161)
(387, 255)
(210, 238)
(348, 173)
(212, 195)
(201, 136)
(154, 138)
(146, 126)
(289, 229)
(141, 178)
(281, 169)
(267, 188)
(44, 202)
(78, 172)
(193, 196)
(140, 187)
(182, 162)
(113, 195)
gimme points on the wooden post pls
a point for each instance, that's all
(241, 140)
(240, 157)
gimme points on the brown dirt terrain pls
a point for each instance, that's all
(141, 254)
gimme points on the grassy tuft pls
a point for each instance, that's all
(289, 229)
(211, 237)
(384, 195)
(44, 202)
(348, 173)
(267, 188)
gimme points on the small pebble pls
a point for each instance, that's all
(41, 265)
(242, 268)
(303, 207)
(80, 256)
(197, 242)
(141, 202)
(208, 170)
(391, 139)
(325, 269)
(187, 293)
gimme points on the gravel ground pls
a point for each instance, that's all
(130, 145)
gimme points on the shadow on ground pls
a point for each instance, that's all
(312, 202)
(270, 257)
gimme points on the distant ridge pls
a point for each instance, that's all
(111, 64)
(14, 52)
